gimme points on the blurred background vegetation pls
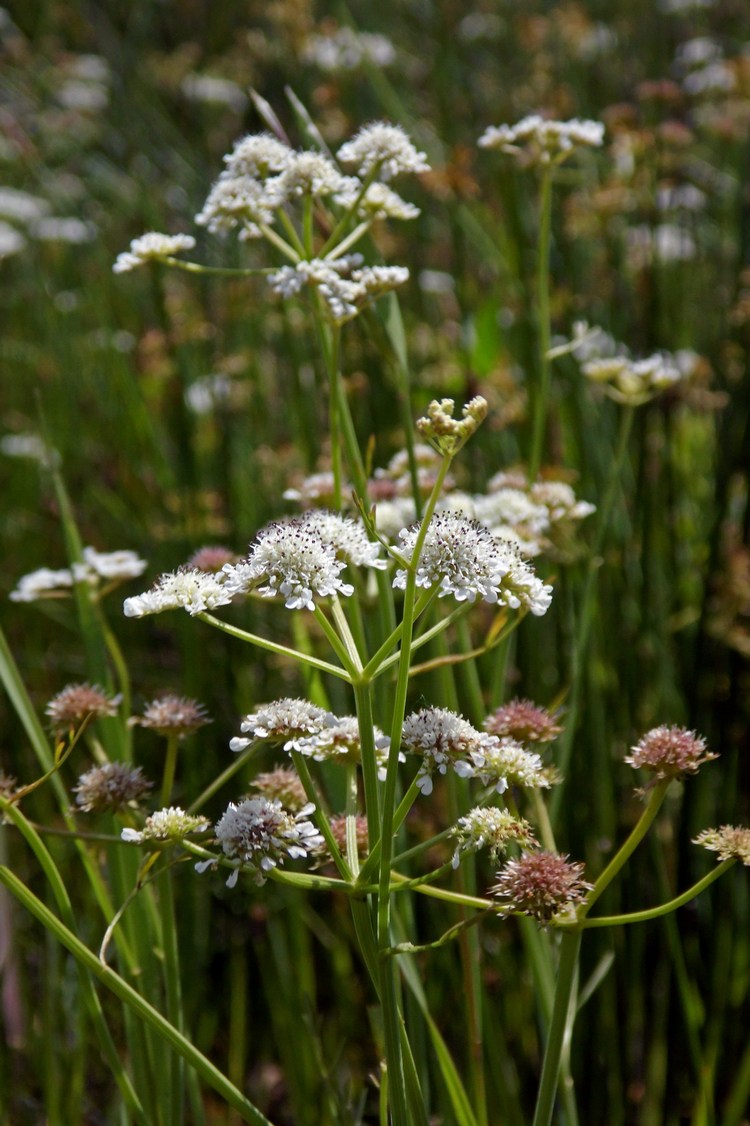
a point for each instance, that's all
(182, 408)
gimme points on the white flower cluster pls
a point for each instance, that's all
(490, 828)
(507, 762)
(542, 141)
(384, 149)
(444, 739)
(537, 517)
(625, 379)
(166, 825)
(260, 834)
(151, 247)
(95, 567)
(341, 741)
(289, 719)
(301, 559)
(378, 202)
(345, 284)
(466, 561)
(188, 589)
(263, 174)
(347, 49)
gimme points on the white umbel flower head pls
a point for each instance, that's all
(348, 538)
(340, 741)
(151, 247)
(289, 720)
(260, 834)
(171, 824)
(444, 739)
(490, 828)
(312, 174)
(378, 202)
(113, 565)
(541, 141)
(385, 147)
(236, 201)
(258, 156)
(189, 589)
(465, 560)
(345, 285)
(43, 583)
(293, 561)
(509, 763)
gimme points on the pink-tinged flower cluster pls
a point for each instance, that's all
(541, 884)
(669, 751)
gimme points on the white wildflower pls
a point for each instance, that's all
(347, 49)
(188, 588)
(288, 719)
(490, 828)
(152, 247)
(318, 488)
(378, 202)
(43, 583)
(237, 201)
(344, 284)
(113, 564)
(347, 537)
(260, 834)
(385, 147)
(257, 156)
(391, 516)
(340, 741)
(508, 763)
(166, 825)
(466, 561)
(313, 174)
(542, 141)
(293, 561)
(442, 738)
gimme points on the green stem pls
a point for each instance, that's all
(300, 765)
(339, 647)
(363, 700)
(273, 647)
(334, 412)
(223, 778)
(173, 992)
(170, 762)
(663, 908)
(563, 1014)
(543, 325)
(352, 811)
(586, 614)
(626, 850)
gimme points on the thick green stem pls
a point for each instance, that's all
(563, 1015)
